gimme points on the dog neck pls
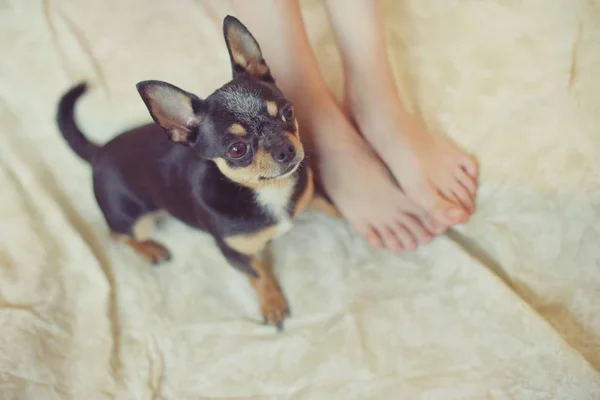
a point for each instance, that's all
(275, 197)
(275, 200)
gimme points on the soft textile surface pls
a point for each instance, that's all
(506, 307)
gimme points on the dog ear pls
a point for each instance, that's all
(244, 51)
(175, 110)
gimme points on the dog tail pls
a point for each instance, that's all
(65, 117)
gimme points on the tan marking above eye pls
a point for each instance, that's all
(253, 242)
(272, 108)
(237, 129)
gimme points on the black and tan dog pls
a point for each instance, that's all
(231, 165)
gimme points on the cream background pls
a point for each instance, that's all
(507, 307)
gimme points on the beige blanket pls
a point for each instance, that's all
(506, 307)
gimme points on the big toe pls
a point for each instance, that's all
(450, 214)
(444, 212)
(458, 194)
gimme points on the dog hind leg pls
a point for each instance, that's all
(129, 218)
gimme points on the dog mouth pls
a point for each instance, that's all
(289, 170)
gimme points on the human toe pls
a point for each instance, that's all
(468, 182)
(449, 214)
(371, 236)
(416, 228)
(469, 165)
(462, 197)
(391, 239)
(403, 236)
(444, 211)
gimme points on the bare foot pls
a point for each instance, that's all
(432, 171)
(353, 176)
(360, 185)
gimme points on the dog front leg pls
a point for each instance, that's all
(273, 305)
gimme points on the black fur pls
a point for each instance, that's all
(67, 125)
(141, 170)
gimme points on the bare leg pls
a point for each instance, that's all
(352, 175)
(432, 171)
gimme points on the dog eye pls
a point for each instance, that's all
(237, 150)
(287, 113)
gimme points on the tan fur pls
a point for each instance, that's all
(272, 108)
(262, 165)
(255, 68)
(171, 114)
(151, 251)
(273, 305)
(143, 227)
(321, 205)
(237, 130)
(295, 140)
(306, 196)
(239, 58)
(252, 243)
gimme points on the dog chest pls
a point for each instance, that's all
(275, 200)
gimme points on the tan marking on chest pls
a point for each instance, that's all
(252, 243)
(307, 195)
(275, 199)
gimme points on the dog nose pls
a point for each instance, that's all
(284, 154)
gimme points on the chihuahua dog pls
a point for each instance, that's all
(230, 165)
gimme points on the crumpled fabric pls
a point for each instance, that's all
(506, 306)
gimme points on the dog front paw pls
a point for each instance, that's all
(273, 306)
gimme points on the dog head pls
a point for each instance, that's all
(247, 126)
